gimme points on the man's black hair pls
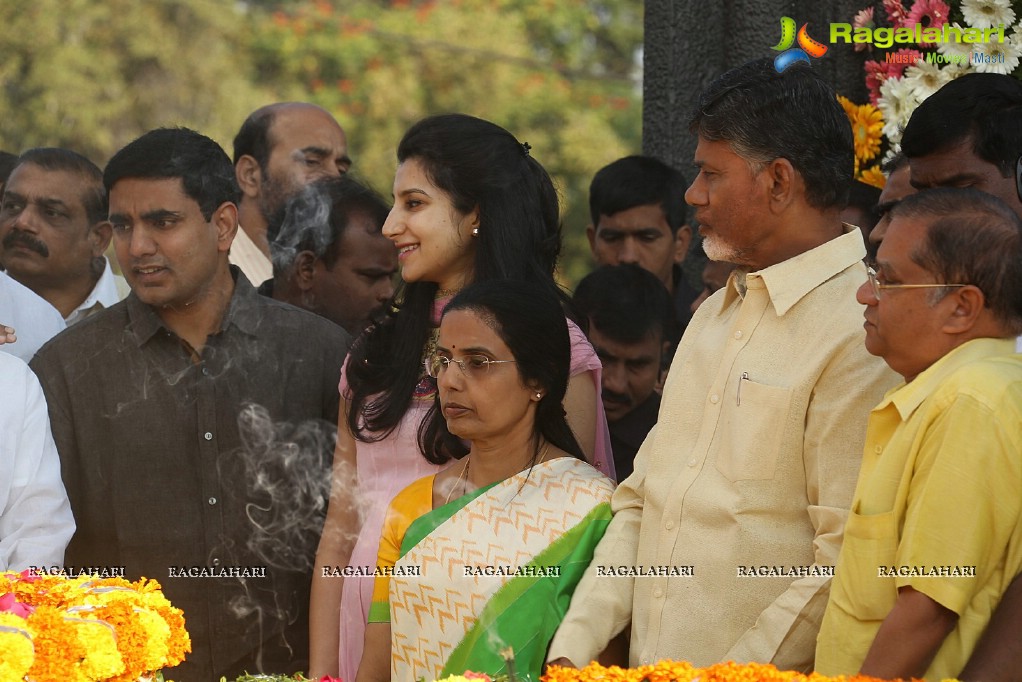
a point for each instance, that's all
(982, 108)
(65, 160)
(253, 137)
(639, 181)
(764, 115)
(202, 165)
(627, 303)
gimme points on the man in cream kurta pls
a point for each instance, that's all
(749, 472)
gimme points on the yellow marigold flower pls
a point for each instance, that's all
(16, 651)
(867, 130)
(102, 660)
(873, 177)
(670, 671)
(141, 637)
(847, 104)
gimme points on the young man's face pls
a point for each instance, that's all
(630, 370)
(640, 235)
(959, 166)
(169, 252)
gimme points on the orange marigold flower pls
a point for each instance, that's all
(873, 177)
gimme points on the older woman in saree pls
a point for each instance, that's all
(482, 558)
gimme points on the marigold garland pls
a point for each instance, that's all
(16, 644)
(86, 629)
(679, 671)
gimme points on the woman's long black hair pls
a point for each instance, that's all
(478, 165)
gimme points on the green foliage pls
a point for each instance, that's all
(92, 75)
(561, 74)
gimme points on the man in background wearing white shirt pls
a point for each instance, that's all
(279, 149)
(35, 516)
(26, 320)
(53, 232)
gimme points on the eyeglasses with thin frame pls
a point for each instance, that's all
(471, 365)
(879, 286)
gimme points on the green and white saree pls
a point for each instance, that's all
(492, 571)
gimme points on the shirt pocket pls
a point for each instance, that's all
(751, 438)
(870, 545)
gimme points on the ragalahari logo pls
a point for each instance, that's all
(807, 47)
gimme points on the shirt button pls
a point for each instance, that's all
(658, 593)
(215, 562)
(205, 371)
(714, 398)
(212, 501)
(669, 525)
(878, 449)
(692, 462)
(208, 436)
(738, 334)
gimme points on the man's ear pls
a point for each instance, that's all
(591, 236)
(969, 305)
(682, 240)
(249, 175)
(304, 269)
(99, 237)
(781, 178)
(225, 219)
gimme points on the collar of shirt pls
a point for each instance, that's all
(788, 281)
(907, 397)
(242, 311)
(106, 293)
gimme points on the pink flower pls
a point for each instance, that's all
(327, 678)
(876, 74)
(469, 675)
(895, 12)
(934, 11)
(864, 19)
(29, 576)
(11, 605)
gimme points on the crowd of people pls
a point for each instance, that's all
(814, 461)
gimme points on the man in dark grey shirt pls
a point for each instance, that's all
(194, 419)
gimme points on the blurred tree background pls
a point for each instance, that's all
(564, 75)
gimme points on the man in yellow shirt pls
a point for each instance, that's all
(724, 537)
(934, 536)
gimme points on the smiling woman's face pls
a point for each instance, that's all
(434, 239)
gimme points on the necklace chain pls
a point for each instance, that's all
(461, 476)
(468, 462)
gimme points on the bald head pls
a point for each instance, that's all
(279, 149)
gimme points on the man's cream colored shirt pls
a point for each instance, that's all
(747, 477)
(247, 256)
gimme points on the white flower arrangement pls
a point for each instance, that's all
(897, 88)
